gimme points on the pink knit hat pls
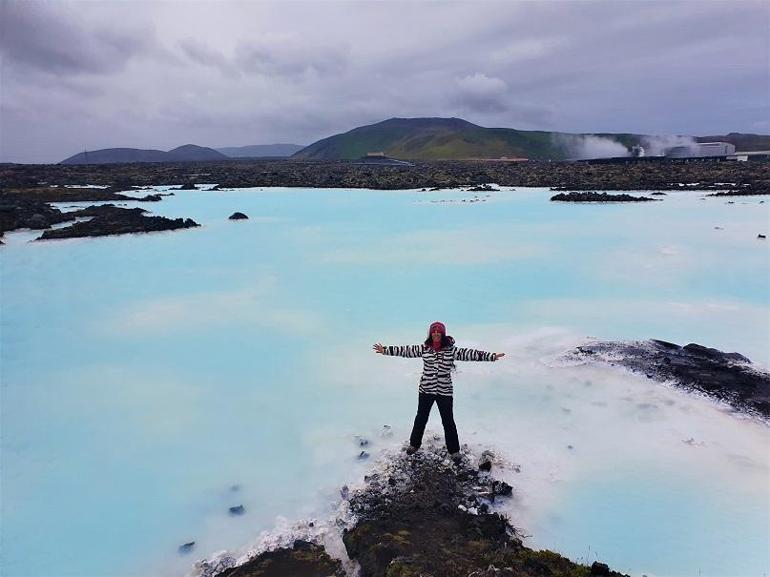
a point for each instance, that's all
(437, 326)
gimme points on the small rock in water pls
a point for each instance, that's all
(362, 442)
(187, 547)
(761, 236)
(387, 431)
(235, 488)
(485, 465)
(238, 216)
(237, 510)
(570, 447)
(502, 488)
(363, 455)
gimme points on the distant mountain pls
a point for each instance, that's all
(455, 138)
(260, 150)
(186, 153)
(435, 138)
(192, 152)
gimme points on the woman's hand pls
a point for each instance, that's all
(378, 348)
(499, 355)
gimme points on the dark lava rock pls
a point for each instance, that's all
(599, 569)
(599, 197)
(502, 489)
(37, 222)
(747, 191)
(761, 236)
(363, 455)
(429, 517)
(443, 174)
(238, 216)
(237, 510)
(109, 220)
(304, 559)
(151, 198)
(188, 186)
(482, 188)
(729, 377)
(17, 212)
(187, 547)
(658, 194)
(62, 194)
(485, 465)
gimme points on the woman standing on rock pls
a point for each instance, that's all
(438, 354)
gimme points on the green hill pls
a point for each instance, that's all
(454, 138)
(436, 138)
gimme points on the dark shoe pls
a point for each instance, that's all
(411, 450)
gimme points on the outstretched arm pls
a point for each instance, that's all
(410, 351)
(462, 354)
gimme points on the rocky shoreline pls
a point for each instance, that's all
(747, 177)
(599, 197)
(419, 515)
(19, 211)
(25, 189)
(727, 377)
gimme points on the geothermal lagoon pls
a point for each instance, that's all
(150, 382)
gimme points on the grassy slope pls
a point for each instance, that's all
(429, 139)
(453, 138)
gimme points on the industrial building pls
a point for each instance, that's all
(701, 150)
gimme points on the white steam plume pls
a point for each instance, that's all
(583, 147)
(660, 144)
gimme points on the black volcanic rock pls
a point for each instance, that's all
(16, 212)
(110, 220)
(427, 516)
(599, 197)
(238, 216)
(304, 559)
(747, 191)
(418, 515)
(729, 377)
(582, 176)
(63, 194)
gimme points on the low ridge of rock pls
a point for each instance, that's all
(729, 377)
(111, 220)
(600, 197)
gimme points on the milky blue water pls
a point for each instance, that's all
(149, 382)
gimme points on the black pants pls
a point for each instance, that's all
(424, 405)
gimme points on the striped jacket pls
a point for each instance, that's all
(436, 376)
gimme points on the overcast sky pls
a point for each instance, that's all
(98, 74)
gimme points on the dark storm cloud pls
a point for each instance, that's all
(48, 39)
(287, 56)
(201, 53)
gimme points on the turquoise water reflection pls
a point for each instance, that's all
(145, 375)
